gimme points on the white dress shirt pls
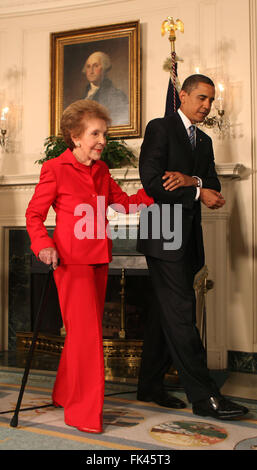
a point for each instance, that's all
(187, 123)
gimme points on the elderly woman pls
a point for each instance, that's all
(79, 187)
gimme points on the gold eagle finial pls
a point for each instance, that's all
(170, 26)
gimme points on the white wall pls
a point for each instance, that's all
(216, 39)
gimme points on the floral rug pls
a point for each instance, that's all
(129, 425)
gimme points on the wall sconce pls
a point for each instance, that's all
(218, 123)
(3, 128)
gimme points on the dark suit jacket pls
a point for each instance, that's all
(166, 146)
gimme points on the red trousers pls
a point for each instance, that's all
(79, 385)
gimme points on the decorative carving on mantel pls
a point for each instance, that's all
(232, 170)
(19, 180)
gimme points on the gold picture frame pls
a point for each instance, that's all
(120, 88)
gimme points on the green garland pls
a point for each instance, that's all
(115, 154)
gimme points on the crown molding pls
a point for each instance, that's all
(12, 8)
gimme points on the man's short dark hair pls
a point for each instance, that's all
(192, 81)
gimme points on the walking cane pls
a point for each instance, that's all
(14, 421)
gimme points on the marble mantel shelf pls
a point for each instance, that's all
(231, 170)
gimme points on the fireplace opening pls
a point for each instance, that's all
(131, 293)
(51, 322)
(125, 311)
(128, 297)
(27, 276)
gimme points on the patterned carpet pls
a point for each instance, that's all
(128, 424)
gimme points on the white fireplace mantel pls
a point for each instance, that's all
(229, 170)
(232, 170)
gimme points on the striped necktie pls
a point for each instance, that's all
(192, 136)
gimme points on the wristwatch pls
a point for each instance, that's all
(199, 181)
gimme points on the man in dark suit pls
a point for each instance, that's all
(177, 169)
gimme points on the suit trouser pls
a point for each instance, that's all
(79, 385)
(171, 335)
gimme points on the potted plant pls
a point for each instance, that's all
(116, 154)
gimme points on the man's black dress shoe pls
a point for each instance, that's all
(219, 408)
(162, 398)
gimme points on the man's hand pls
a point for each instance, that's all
(175, 180)
(211, 198)
(49, 256)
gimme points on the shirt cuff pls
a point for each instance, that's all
(197, 194)
(200, 183)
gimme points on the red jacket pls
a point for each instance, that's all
(66, 184)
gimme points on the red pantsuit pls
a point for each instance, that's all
(79, 385)
(81, 277)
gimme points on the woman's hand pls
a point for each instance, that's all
(175, 180)
(49, 256)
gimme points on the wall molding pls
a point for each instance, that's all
(12, 8)
(253, 64)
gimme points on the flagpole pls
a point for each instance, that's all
(170, 26)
